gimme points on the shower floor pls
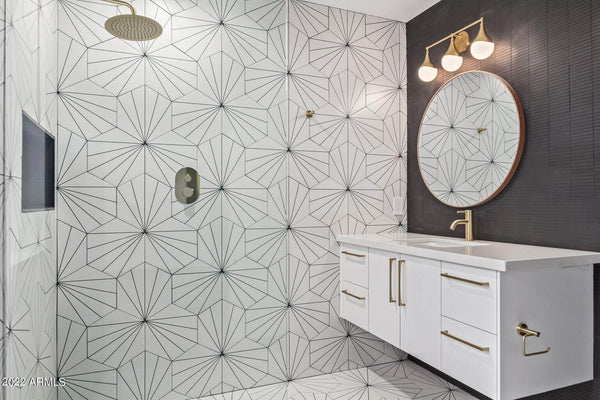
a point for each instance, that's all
(398, 380)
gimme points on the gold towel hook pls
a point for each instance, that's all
(524, 331)
(310, 113)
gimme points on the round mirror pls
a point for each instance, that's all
(471, 139)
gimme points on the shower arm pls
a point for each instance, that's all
(122, 3)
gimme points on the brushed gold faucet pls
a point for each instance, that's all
(467, 222)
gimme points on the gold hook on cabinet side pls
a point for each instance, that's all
(310, 113)
(524, 331)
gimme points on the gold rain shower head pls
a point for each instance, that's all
(132, 26)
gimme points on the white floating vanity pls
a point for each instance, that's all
(461, 308)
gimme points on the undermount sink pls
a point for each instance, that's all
(413, 240)
(451, 243)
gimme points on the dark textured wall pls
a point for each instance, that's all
(549, 51)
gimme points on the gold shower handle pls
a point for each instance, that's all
(525, 332)
(122, 3)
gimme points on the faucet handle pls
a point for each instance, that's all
(468, 213)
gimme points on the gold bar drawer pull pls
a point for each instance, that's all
(400, 303)
(391, 272)
(445, 333)
(353, 254)
(456, 278)
(347, 293)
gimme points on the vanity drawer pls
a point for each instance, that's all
(469, 355)
(354, 262)
(469, 295)
(354, 304)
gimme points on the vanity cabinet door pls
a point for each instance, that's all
(384, 313)
(421, 313)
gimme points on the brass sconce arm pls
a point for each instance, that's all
(453, 34)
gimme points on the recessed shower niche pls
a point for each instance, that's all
(37, 187)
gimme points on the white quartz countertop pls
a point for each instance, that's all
(490, 255)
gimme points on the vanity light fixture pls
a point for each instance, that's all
(481, 48)
(452, 60)
(428, 71)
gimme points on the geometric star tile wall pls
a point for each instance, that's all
(29, 270)
(161, 300)
(2, 180)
